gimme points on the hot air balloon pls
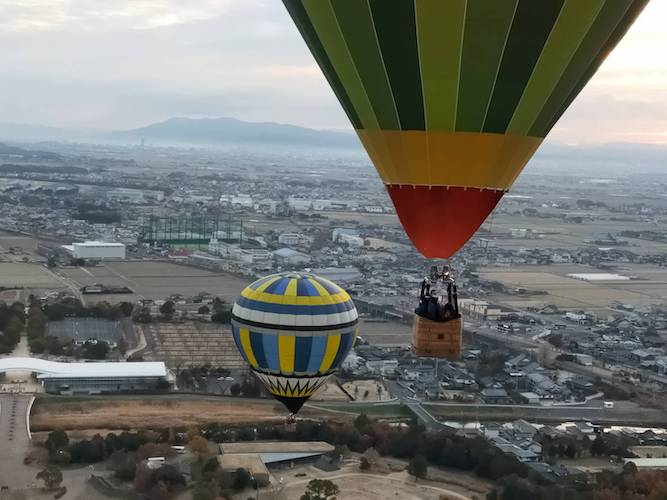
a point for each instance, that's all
(294, 330)
(451, 98)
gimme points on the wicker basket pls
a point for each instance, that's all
(437, 340)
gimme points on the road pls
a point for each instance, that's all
(414, 405)
(14, 441)
(431, 413)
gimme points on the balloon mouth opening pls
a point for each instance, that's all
(439, 220)
(293, 405)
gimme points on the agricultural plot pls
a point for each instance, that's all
(156, 280)
(191, 344)
(648, 285)
(24, 275)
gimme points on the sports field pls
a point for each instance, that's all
(83, 329)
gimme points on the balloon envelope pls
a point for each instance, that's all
(294, 330)
(451, 98)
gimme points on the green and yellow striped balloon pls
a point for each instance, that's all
(451, 98)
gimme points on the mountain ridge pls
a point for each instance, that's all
(227, 130)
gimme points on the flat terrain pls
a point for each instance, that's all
(139, 412)
(383, 484)
(566, 235)
(385, 333)
(20, 274)
(648, 285)
(155, 280)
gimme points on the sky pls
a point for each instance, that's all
(120, 64)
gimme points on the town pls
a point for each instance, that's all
(137, 252)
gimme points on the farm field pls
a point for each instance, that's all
(153, 412)
(155, 280)
(191, 344)
(34, 276)
(648, 285)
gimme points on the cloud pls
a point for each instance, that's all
(604, 118)
(41, 15)
(113, 64)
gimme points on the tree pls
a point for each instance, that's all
(598, 446)
(241, 479)
(418, 466)
(251, 388)
(167, 309)
(96, 350)
(52, 477)
(556, 340)
(142, 315)
(126, 308)
(122, 346)
(222, 316)
(143, 478)
(204, 310)
(169, 476)
(362, 421)
(198, 445)
(56, 441)
(321, 489)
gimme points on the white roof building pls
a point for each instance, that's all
(104, 369)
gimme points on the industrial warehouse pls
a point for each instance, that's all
(92, 378)
(96, 250)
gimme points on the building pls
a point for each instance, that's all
(349, 236)
(247, 253)
(341, 275)
(293, 239)
(287, 256)
(495, 396)
(257, 456)
(92, 378)
(252, 462)
(648, 463)
(96, 250)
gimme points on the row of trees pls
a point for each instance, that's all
(62, 451)
(12, 322)
(220, 312)
(38, 318)
(72, 307)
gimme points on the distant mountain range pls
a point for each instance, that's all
(189, 132)
(215, 131)
(223, 132)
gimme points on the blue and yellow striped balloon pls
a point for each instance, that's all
(294, 330)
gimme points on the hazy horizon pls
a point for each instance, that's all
(143, 61)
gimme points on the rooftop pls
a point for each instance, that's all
(276, 447)
(53, 369)
(251, 462)
(98, 244)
